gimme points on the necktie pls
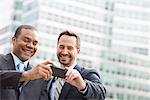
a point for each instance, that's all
(21, 67)
(59, 84)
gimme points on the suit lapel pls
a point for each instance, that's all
(9, 64)
(50, 83)
(65, 90)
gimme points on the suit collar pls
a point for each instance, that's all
(10, 64)
(78, 68)
(18, 61)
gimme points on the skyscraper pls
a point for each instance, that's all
(114, 38)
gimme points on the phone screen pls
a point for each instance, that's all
(58, 72)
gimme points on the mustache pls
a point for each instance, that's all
(61, 55)
(64, 55)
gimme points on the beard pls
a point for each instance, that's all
(65, 60)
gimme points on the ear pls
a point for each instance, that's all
(78, 50)
(13, 40)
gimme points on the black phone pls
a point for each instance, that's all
(58, 72)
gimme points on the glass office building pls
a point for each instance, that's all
(114, 34)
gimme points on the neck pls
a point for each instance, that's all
(70, 65)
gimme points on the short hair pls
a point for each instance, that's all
(69, 33)
(18, 30)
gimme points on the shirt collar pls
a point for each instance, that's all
(17, 60)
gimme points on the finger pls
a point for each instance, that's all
(68, 72)
(47, 72)
(73, 77)
(44, 75)
(70, 77)
(47, 62)
(45, 67)
(42, 67)
(75, 74)
(43, 72)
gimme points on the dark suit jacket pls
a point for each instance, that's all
(31, 90)
(95, 89)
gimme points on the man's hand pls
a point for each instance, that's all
(41, 70)
(74, 78)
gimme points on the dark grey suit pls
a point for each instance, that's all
(95, 89)
(31, 90)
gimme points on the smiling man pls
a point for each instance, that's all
(13, 86)
(25, 43)
(80, 83)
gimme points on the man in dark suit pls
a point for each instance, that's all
(24, 83)
(80, 83)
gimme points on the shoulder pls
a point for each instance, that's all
(2, 56)
(87, 72)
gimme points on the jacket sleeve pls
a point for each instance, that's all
(9, 79)
(95, 89)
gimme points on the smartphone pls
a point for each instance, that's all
(58, 72)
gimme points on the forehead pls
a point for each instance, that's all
(32, 34)
(67, 40)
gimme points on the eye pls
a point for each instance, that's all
(26, 39)
(70, 48)
(61, 47)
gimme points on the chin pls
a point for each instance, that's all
(25, 58)
(66, 64)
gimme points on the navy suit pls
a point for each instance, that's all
(31, 90)
(95, 89)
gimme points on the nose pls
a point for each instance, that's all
(65, 51)
(30, 45)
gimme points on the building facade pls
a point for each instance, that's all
(114, 38)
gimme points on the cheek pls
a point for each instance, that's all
(58, 52)
(17, 47)
(74, 53)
